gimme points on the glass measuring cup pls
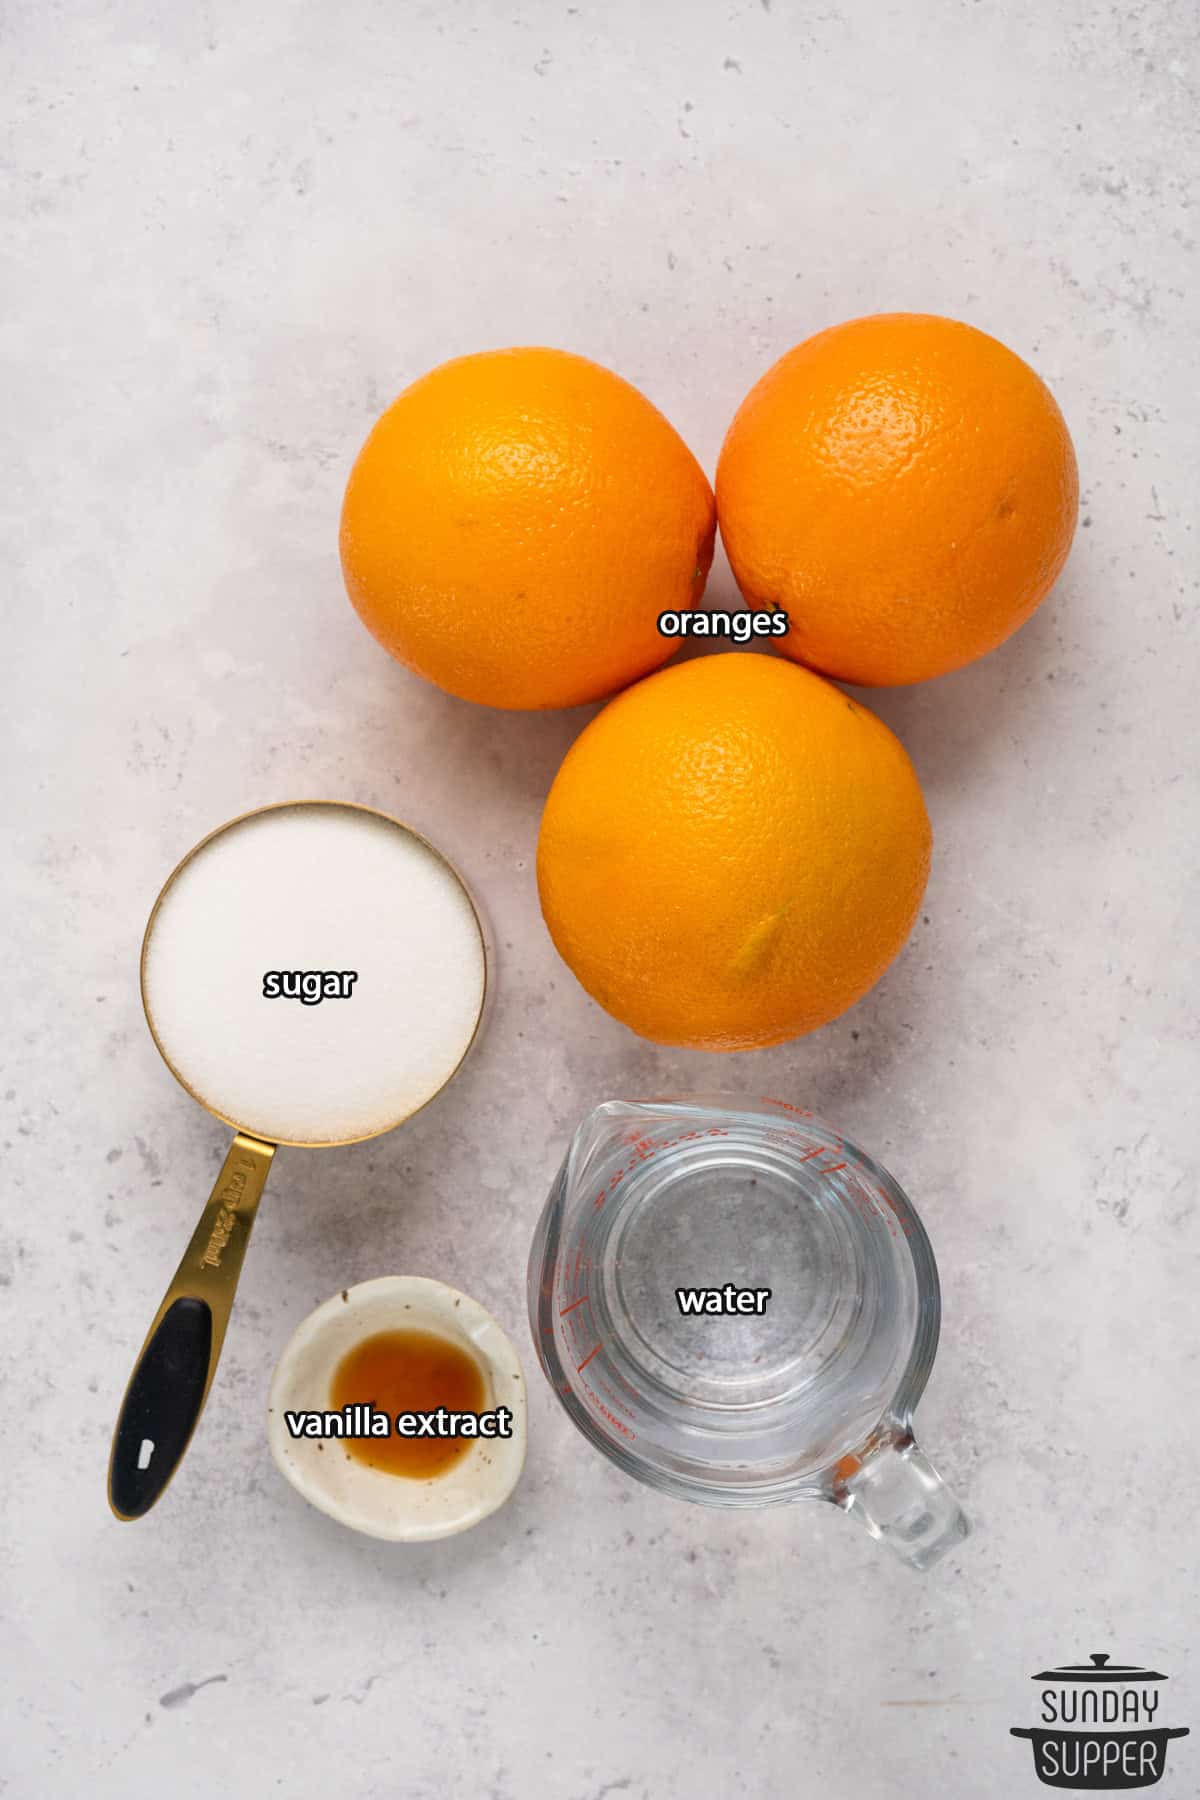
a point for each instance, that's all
(796, 1373)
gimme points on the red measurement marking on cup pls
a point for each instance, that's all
(887, 1201)
(597, 1405)
(563, 1311)
(580, 1367)
(834, 1170)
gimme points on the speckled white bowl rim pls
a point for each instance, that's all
(396, 1507)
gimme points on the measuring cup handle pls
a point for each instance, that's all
(178, 1360)
(894, 1490)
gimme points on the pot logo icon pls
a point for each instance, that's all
(1099, 1726)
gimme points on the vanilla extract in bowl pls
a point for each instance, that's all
(409, 1372)
(429, 1433)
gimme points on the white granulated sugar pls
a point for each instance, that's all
(315, 887)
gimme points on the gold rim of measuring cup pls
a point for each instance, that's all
(241, 1125)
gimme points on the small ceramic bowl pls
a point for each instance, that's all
(370, 1500)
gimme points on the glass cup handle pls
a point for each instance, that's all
(896, 1493)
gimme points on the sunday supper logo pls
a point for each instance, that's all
(1098, 1726)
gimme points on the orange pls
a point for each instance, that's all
(516, 522)
(904, 487)
(732, 853)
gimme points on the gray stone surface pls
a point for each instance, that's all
(230, 234)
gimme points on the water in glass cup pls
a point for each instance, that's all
(738, 1306)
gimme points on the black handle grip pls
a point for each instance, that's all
(162, 1404)
(178, 1360)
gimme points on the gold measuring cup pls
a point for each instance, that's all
(176, 1363)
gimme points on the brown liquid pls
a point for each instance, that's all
(409, 1371)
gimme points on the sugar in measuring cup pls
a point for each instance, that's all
(312, 973)
(739, 1307)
